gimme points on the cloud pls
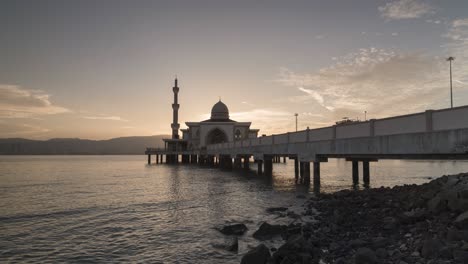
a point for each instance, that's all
(16, 102)
(382, 82)
(9, 129)
(405, 9)
(319, 37)
(104, 117)
(395, 34)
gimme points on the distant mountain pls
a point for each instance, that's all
(76, 146)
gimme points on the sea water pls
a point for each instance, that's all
(94, 209)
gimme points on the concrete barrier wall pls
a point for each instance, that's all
(281, 139)
(353, 130)
(400, 125)
(450, 119)
(300, 136)
(445, 119)
(318, 134)
(267, 140)
(255, 141)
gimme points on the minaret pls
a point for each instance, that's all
(175, 108)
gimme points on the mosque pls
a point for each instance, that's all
(218, 129)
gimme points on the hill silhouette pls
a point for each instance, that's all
(76, 146)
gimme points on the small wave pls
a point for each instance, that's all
(23, 217)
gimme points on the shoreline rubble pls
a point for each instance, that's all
(425, 223)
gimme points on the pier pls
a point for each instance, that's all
(429, 135)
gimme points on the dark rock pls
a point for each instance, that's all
(357, 243)
(295, 248)
(301, 196)
(276, 209)
(381, 253)
(258, 255)
(379, 242)
(390, 223)
(462, 220)
(234, 229)
(231, 244)
(430, 248)
(460, 255)
(436, 204)
(365, 256)
(267, 231)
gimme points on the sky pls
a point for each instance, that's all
(100, 69)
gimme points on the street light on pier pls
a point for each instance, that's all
(296, 114)
(450, 59)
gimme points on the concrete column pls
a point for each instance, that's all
(246, 163)
(355, 172)
(149, 159)
(316, 173)
(372, 127)
(429, 122)
(365, 172)
(260, 167)
(307, 173)
(228, 163)
(296, 169)
(237, 162)
(302, 172)
(268, 166)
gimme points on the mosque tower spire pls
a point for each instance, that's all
(175, 108)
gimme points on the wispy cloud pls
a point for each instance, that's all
(16, 102)
(382, 81)
(405, 9)
(11, 129)
(104, 117)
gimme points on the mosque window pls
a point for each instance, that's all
(238, 134)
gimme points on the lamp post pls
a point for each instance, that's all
(296, 114)
(450, 59)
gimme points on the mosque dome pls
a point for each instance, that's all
(219, 111)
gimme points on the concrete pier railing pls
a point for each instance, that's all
(431, 132)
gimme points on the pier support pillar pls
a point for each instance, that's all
(301, 171)
(185, 159)
(149, 159)
(237, 163)
(307, 173)
(284, 159)
(246, 163)
(355, 172)
(268, 166)
(260, 167)
(365, 172)
(296, 169)
(316, 174)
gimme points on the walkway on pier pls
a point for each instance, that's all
(433, 134)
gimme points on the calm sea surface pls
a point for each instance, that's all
(92, 209)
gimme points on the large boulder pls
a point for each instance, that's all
(233, 229)
(258, 255)
(296, 249)
(365, 256)
(267, 231)
(462, 220)
(230, 244)
(430, 248)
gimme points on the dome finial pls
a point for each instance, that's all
(219, 98)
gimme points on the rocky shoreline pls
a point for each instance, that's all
(405, 224)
